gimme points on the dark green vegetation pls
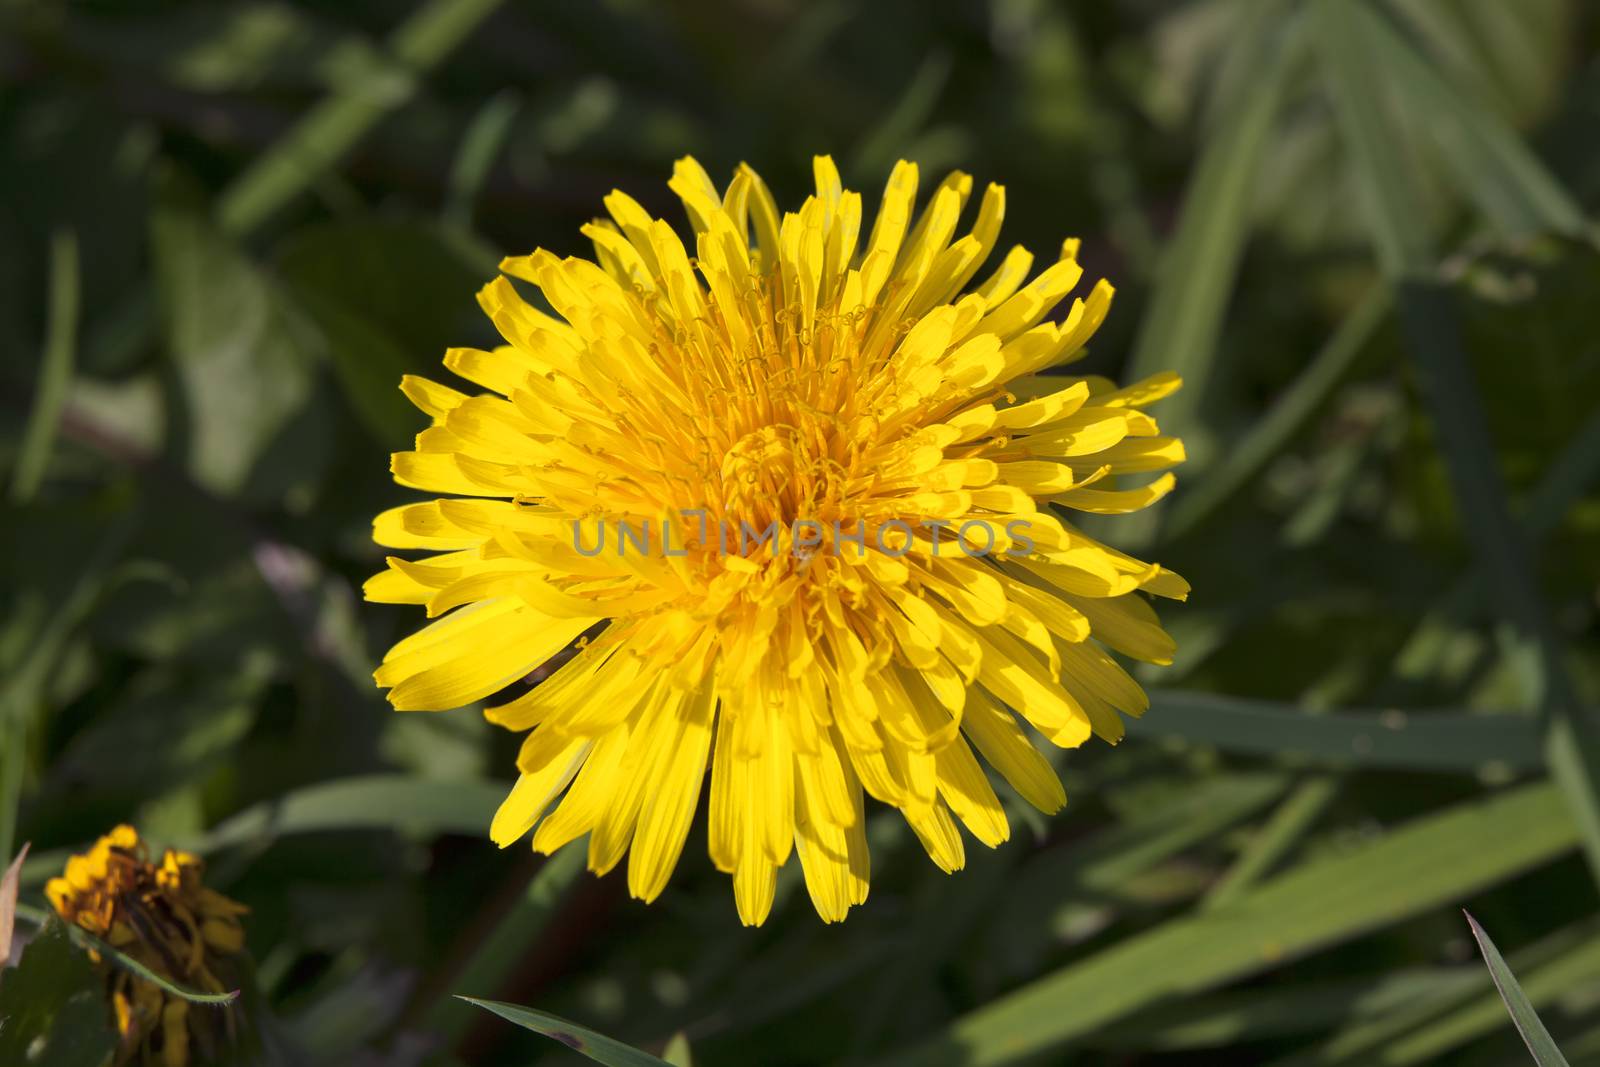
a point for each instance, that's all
(1361, 229)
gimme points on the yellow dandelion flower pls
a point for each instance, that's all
(161, 915)
(802, 500)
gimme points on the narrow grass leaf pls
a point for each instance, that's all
(319, 140)
(1445, 741)
(1527, 1021)
(483, 141)
(595, 1046)
(1531, 642)
(1283, 829)
(1245, 459)
(1236, 1017)
(1180, 330)
(1435, 860)
(55, 373)
(1489, 161)
(1384, 174)
(1463, 1007)
(89, 942)
(1433, 332)
(398, 802)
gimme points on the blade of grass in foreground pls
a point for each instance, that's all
(1435, 860)
(1533, 1032)
(85, 940)
(1460, 1008)
(594, 1046)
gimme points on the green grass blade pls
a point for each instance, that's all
(1533, 1031)
(1490, 162)
(483, 141)
(85, 940)
(1460, 1007)
(1446, 741)
(1245, 459)
(1042, 891)
(1180, 330)
(1435, 860)
(318, 141)
(374, 802)
(1234, 1017)
(594, 1046)
(1572, 737)
(1286, 825)
(55, 373)
(1384, 173)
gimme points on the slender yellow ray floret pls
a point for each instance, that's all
(801, 494)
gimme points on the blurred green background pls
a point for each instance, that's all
(1359, 228)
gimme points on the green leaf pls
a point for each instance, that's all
(1180, 330)
(1447, 741)
(1508, 182)
(1046, 894)
(1461, 1007)
(390, 297)
(1383, 170)
(1282, 830)
(328, 131)
(1531, 641)
(1533, 1031)
(377, 802)
(244, 372)
(55, 373)
(1434, 860)
(1235, 1017)
(482, 142)
(597, 1047)
(229, 47)
(85, 940)
(1245, 459)
(53, 1006)
(1432, 328)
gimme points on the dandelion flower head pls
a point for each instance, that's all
(915, 595)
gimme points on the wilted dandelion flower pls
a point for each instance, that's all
(793, 497)
(162, 916)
